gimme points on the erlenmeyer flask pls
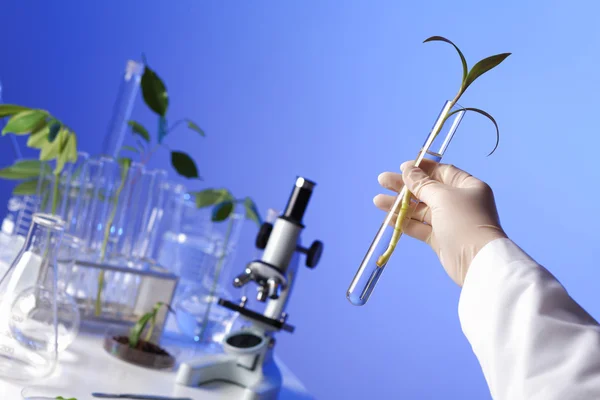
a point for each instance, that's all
(28, 304)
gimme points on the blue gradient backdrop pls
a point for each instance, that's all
(339, 91)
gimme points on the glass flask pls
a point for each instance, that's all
(28, 304)
(435, 146)
(68, 314)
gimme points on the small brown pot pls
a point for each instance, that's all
(146, 354)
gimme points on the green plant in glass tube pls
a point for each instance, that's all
(156, 98)
(55, 141)
(468, 77)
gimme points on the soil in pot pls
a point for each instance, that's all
(144, 346)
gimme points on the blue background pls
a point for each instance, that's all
(339, 92)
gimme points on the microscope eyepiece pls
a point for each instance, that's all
(298, 201)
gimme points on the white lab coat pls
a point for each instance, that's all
(532, 340)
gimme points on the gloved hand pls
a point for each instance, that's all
(457, 215)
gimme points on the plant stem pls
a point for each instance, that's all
(111, 218)
(216, 278)
(151, 329)
(55, 194)
(175, 125)
(405, 204)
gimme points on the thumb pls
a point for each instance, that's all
(420, 184)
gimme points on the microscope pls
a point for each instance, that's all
(247, 359)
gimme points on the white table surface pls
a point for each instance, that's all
(85, 367)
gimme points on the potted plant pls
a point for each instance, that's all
(137, 348)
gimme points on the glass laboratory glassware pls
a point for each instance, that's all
(125, 211)
(151, 217)
(435, 146)
(68, 314)
(85, 226)
(168, 251)
(73, 180)
(28, 304)
(60, 195)
(197, 313)
(113, 141)
(182, 245)
(107, 189)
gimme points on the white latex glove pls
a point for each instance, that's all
(457, 215)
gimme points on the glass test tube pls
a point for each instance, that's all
(435, 146)
(151, 214)
(122, 109)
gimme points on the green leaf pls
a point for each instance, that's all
(193, 126)
(477, 110)
(125, 164)
(130, 148)
(136, 332)
(22, 169)
(38, 139)
(222, 211)
(138, 129)
(53, 132)
(210, 197)
(154, 92)
(62, 398)
(462, 57)
(7, 110)
(184, 165)
(51, 150)
(24, 122)
(252, 211)
(26, 188)
(72, 148)
(484, 66)
(63, 154)
(162, 129)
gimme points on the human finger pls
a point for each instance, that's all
(421, 212)
(447, 174)
(421, 185)
(391, 181)
(418, 230)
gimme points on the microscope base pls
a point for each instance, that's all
(251, 368)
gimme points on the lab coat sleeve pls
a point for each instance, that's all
(532, 340)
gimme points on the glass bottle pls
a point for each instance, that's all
(28, 304)
(435, 146)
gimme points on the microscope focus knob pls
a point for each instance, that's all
(263, 235)
(313, 255)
